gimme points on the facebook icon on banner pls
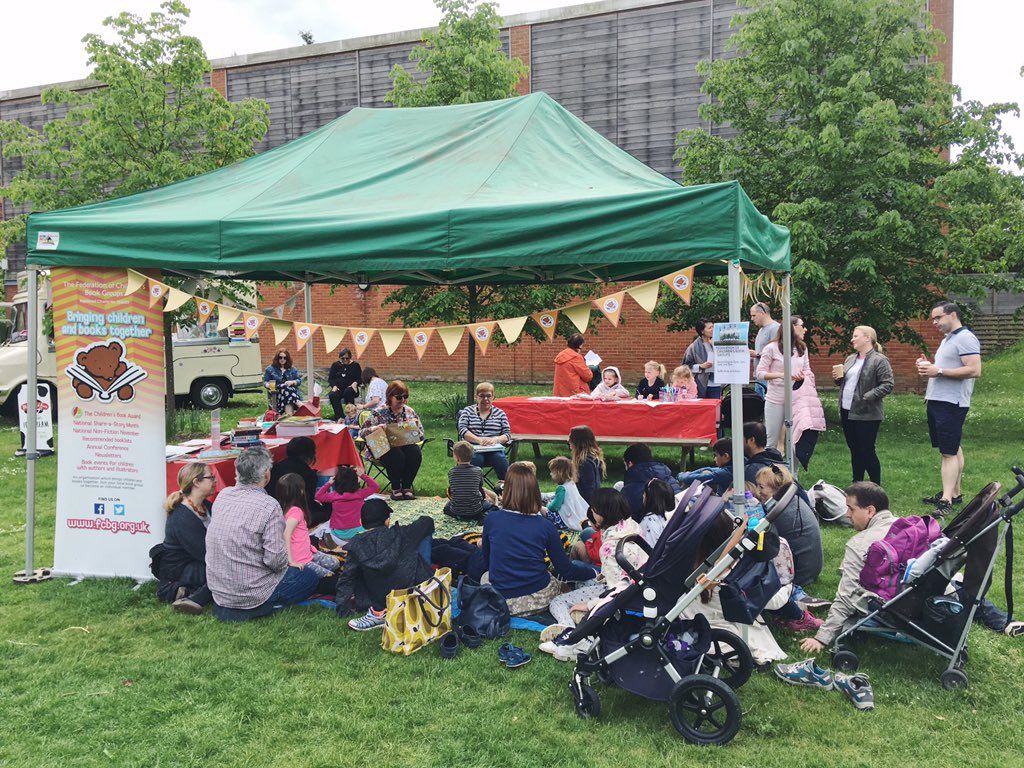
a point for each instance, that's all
(99, 509)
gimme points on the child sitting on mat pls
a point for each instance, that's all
(291, 494)
(346, 499)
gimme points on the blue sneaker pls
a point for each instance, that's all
(857, 689)
(806, 673)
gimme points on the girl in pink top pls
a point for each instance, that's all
(346, 499)
(684, 384)
(291, 493)
(770, 369)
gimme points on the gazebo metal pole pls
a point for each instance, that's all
(787, 370)
(307, 294)
(31, 455)
(736, 397)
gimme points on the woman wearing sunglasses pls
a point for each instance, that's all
(283, 379)
(402, 462)
(343, 378)
(183, 560)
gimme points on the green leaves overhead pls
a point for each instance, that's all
(835, 112)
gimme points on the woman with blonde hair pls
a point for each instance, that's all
(183, 558)
(864, 379)
(515, 542)
(588, 458)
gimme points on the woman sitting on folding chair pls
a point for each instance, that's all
(402, 461)
(486, 427)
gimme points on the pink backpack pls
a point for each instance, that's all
(909, 537)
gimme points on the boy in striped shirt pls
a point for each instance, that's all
(466, 486)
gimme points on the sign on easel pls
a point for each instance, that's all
(111, 471)
(44, 419)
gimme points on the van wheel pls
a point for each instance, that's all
(210, 393)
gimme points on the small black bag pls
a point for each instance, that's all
(747, 590)
(483, 608)
(156, 556)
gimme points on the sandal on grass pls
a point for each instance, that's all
(517, 658)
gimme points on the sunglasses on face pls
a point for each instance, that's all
(345, 359)
(401, 397)
(281, 357)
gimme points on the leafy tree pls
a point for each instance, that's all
(306, 36)
(464, 63)
(835, 113)
(462, 60)
(152, 122)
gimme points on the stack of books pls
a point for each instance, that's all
(246, 437)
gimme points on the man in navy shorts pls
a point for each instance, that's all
(948, 397)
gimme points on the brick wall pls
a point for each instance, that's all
(636, 340)
(519, 48)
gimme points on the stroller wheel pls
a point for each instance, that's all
(587, 702)
(953, 679)
(729, 659)
(845, 661)
(705, 710)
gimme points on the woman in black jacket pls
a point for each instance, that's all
(864, 379)
(183, 564)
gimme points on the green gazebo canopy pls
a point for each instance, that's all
(509, 191)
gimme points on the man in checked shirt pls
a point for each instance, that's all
(246, 559)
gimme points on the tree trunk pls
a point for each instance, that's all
(473, 308)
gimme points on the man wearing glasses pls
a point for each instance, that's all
(343, 379)
(948, 397)
(486, 428)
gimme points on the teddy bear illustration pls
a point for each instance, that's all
(101, 370)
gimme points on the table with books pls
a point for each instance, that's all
(334, 446)
(687, 424)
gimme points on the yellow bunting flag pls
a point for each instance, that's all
(135, 281)
(420, 338)
(226, 316)
(157, 291)
(252, 322)
(580, 316)
(682, 283)
(611, 306)
(451, 335)
(204, 308)
(303, 333)
(482, 333)
(175, 299)
(361, 339)
(281, 330)
(645, 295)
(547, 321)
(512, 327)
(332, 336)
(391, 340)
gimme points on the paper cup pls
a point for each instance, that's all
(837, 371)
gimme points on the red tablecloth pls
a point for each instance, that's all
(691, 420)
(331, 450)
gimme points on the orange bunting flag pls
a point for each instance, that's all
(481, 333)
(547, 321)
(361, 339)
(682, 283)
(303, 333)
(611, 306)
(157, 291)
(420, 338)
(204, 308)
(252, 322)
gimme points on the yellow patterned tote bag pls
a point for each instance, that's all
(418, 616)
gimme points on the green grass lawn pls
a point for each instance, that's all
(101, 674)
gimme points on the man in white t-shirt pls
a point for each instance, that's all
(948, 398)
(761, 316)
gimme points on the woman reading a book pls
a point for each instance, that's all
(404, 432)
(283, 379)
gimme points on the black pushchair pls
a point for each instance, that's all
(640, 643)
(925, 612)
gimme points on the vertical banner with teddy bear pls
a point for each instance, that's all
(111, 470)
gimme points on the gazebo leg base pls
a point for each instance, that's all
(36, 576)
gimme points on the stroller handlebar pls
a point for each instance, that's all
(777, 504)
(623, 561)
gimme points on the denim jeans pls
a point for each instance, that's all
(295, 586)
(496, 459)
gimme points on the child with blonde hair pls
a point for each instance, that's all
(684, 384)
(652, 383)
(566, 509)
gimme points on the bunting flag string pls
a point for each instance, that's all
(645, 295)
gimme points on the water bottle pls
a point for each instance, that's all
(755, 512)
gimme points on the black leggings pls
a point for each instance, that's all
(860, 437)
(402, 463)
